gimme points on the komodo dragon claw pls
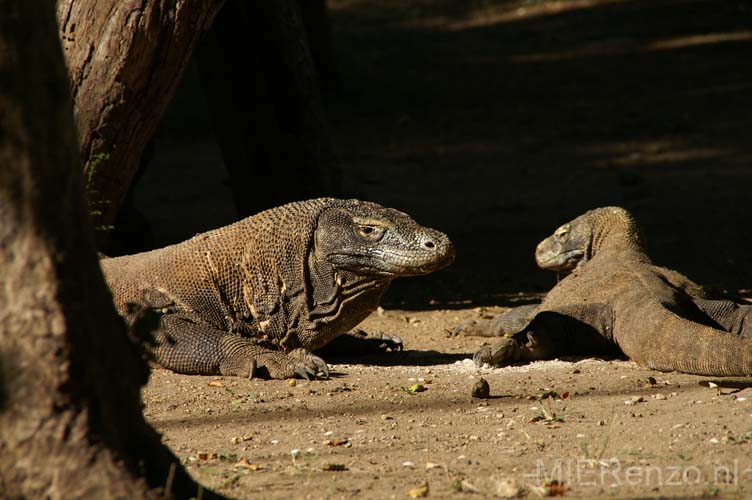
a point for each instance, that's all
(309, 365)
(321, 366)
(304, 372)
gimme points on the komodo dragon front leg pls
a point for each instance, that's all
(532, 335)
(195, 348)
(509, 323)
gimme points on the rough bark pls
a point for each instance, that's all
(266, 107)
(70, 417)
(125, 59)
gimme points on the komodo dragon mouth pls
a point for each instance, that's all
(392, 263)
(563, 261)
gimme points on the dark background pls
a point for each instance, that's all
(496, 121)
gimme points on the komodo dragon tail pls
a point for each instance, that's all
(666, 342)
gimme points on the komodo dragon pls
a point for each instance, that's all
(260, 294)
(616, 299)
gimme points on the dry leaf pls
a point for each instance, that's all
(557, 489)
(245, 464)
(338, 442)
(215, 383)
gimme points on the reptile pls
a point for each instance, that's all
(615, 300)
(258, 297)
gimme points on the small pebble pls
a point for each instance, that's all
(481, 389)
(634, 400)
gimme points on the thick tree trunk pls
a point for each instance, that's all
(266, 107)
(70, 417)
(125, 59)
(315, 15)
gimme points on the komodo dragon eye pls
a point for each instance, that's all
(370, 232)
(562, 232)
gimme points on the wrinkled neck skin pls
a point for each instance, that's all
(614, 233)
(336, 301)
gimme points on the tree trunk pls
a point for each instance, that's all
(125, 59)
(70, 416)
(262, 91)
(315, 16)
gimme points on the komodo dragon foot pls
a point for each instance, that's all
(250, 360)
(380, 341)
(477, 328)
(309, 365)
(504, 352)
(360, 343)
(525, 346)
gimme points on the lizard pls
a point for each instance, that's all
(257, 297)
(615, 300)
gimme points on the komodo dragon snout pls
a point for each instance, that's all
(260, 295)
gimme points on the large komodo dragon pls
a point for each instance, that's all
(616, 299)
(261, 294)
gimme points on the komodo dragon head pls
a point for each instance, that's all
(355, 250)
(578, 241)
(367, 239)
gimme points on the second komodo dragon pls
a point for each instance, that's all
(261, 294)
(616, 299)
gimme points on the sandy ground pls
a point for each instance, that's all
(494, 121)
(605, 428)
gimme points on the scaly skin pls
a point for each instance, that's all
(615, 300)
(260, 295)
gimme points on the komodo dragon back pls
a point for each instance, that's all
(267, 290)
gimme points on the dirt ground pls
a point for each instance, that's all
(607, 429)
(494, 121)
